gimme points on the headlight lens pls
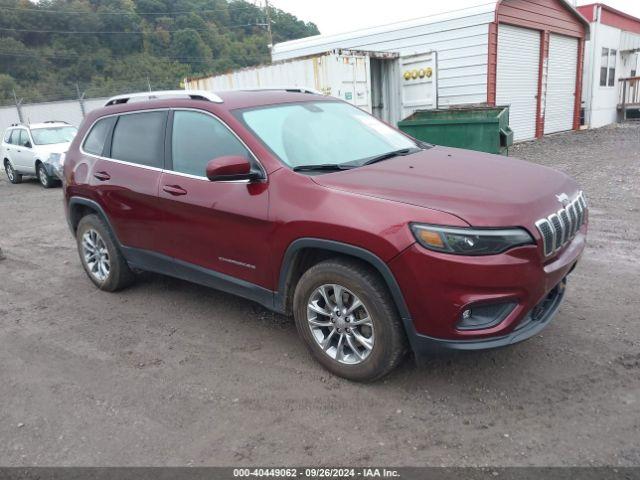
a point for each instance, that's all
(469, 241)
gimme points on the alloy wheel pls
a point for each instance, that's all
(9, 169)
(340, 324)
(96, 255)
(42, 175)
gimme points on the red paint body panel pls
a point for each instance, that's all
(214, 224)
(243, 230)
(439, 287)
(483, 189)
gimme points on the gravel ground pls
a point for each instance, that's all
(169, 373)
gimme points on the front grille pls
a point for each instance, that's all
(560, 227)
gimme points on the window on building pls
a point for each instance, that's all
(612, 67)
(608, 67)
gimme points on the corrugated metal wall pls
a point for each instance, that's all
(460, 39)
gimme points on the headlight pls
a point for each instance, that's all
(469, 241)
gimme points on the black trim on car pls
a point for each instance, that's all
(73, 223)
(346, 249)
(172, 267)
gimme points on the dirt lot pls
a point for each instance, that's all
(169, 373)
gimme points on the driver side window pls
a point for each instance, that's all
(197, 138)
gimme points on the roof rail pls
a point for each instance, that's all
(56, 121)
(192, 94)
(287, 89)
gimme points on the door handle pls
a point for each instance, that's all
(175, 190)
(102, 176)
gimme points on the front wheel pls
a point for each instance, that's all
(345, 315)
(45, 180)
(12, 175)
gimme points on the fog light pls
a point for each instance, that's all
(483, 316)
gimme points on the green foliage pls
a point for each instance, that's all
(131, 44)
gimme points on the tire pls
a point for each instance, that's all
(13, 176)
(118, 275)
(357, 281)
(43, 177)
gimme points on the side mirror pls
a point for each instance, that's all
(230, 168)
(28, 145)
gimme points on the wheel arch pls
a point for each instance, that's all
(80, 207)
(293, 265)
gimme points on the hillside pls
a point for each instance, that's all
(50, 49)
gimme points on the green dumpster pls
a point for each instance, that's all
(485, 129)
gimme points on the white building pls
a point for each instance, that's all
(611, 54)
(523, 53)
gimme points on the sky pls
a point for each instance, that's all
(336, 16)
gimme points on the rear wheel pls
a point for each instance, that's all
(45, 180)
(12, 175)
(102, 260)
(348, 320)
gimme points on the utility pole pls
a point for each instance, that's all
(81, 100)
(148, 83)
(18, 105)
(269, 32)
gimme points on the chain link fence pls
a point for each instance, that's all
(70, 103)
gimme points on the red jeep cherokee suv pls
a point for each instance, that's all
(375, 242)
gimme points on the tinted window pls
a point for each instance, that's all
(198, 138)
(94, 143)
(139, 138)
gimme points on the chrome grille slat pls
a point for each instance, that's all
(559, 228)
(564, 216)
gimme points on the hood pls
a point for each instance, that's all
(482, 189)
(45, 150)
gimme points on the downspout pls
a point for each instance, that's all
(593, 72)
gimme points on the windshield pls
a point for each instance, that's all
(317, 133)
(51, 135)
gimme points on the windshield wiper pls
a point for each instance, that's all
(322, 166)
(388, 155)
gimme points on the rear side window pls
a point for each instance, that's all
(197, 138)
(7, 136)
(95, 141)
(139, 138)
(24, 139)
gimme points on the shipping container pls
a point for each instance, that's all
(386, 84)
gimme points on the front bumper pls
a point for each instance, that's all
(438, 288)
(529, 326)
(53, 168)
